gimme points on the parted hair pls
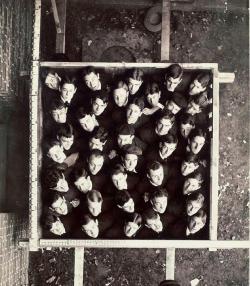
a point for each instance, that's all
(191, 158)
(118, 168)
(197, 175)
(96, 153)
(70, 79)
(174, 71)
(166, 114)
(65, 130)
(136, 74)
(120, 84)
(134, 217)
(94, 196)
(159, 193)
(121, 197)
(86, 219)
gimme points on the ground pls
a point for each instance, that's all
(195, 37)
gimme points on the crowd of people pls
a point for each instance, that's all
(125, 154)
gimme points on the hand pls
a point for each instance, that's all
(112, 154)
(75, 203)
(71, 159)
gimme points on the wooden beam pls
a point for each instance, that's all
(79, 264)
(165, 30)
(56, 16)
(60, 36)
(170, 263)
(226, 77)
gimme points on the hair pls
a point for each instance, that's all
(49, 144)
(155, 165)
(94, 196)
(166, 114)
(197, 132)
(201, 214)
(201, 99)
(187, 119)
(86, 219)
(136, 74)
(131, 149)
(159, 193)
(56, 104)
(118, 169)
(174, 71)
(68, 79)
(197, 175)
(120, 84)
(179, 99)
(95, 152)
(54, 198)
(51, 178)
(151, 87)
(100, 133)
(122, 197)
(65, 130)
(194, 196)
(104, 96)
(191, 158)
(139, 102)
(149, 213)
(204, 78)
(88, 70)
(169, 138)
(79, 171)
(82, 112)
(134, 217)
(126, 129)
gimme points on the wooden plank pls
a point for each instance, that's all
(3, 165)
(226, 77)
(79, 266)
(165, 30)
(170, 263)
(36, 31)
(56, 17)
(60, 36)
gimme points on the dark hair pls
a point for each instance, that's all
(82, 112)
(68, 79)
(136, 74)
(179, 99)
(122, 197)
(51, 178)
(155, 165)
(120, 84)
(201, 99)
(56, 104)
(187, 119)
(138, 101)
(100, 133)
(49, 144)
(151, 87)
(126, 129)
(197, 132)
(194, 196)
(118, 169)
(159, 193)
(196, 175)
(96, 153)
(169, 138)
(167, 115)
(104, 96)
(94, 196)
(131, 149)
(65, 130)
(201, 213)
(86, 219)
(192, 158)
(149, 213)
(79, 171)
(174, 71)
(204, 78)
(88, 70)
(134, 217)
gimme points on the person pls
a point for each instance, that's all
(132, 224)
(173, 76)
(159, 200)
(65, 136)
(197, 104)
(99, 102)
(55, 180)
(94, 202)
(199, 84)
(91, 78)
(90, 226)
(187, 124)
(120, 93)
(52, 80)
(134, 114)
(155, 174)
(192, 183)
(67, 88)
(95, 161)
(58, 111)
(196, 141)
(130, 158)
(135, 80)
(152, 93)
(152, 220)
(81, 179)
(86, 119)
(54, 225)
(63, 204)
(176, 102)
(194, 203)
(124, 201)
(196, 222)
(189, 164)
(54, 151)
(98, 139)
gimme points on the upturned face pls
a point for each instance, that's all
(88, 122)
(95, 208)
(91, 228)
(120, 96)
(123, 140)
(56, 154)
(95, 164)
(191, 185)
(172, 83)
(188, 167)
(130, 162)
(96, 143)
(130, 228)
(196, 88)
(98, 106)
(163, 126)
(154, 98)
(133, 85)
(160, 204)
(197, 143)
(193, 108)
(66, 142)
(60, 206)
(193, 206)
(129, 206)
(83, 184)
(52, 81)
(195, 224)
(156, 176)
(120, 181)
(57, 228)
(59, 115)
(173, 107)
(67, 92)
(167, 149)
(92, 81)
(155, 224)
(133, 113)
(185, 129)
(62, 185)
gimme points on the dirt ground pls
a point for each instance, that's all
(195, 37)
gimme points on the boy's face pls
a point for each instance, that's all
(185, 129)
(155, 224)
(196, 88)
(197, 143)
(66, 142)
(52, 81)
(193, 206)
(120, 96)
(130, 162)
(59, 115)
(191, 185)
(129, 206)
(172, 83)
(95, 164)
(133, 85)
(130, 228)
(195, 224)
(156, 176)
(95, 208)
(96, 143)
(57, 228)
(193, 108)
(160, 204)
(173, 107)
(153, 98)
(83, 184)
(56, 154)
(91, 228)
(167, 149)
(92, 81)
(60, 206)
(188, 167)
(62, 185)
(88, 122)
(98, 106)
(133, 113)
(123, 140)
(120, 181)
(163, 126)
(67, 92)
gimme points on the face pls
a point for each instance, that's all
(98, 106)
(133, 85)
(193, 108)
(172, 83)
(83, 184)
(155, 224)
(160, 204)
(196, 87)
(195, 224)
(57, 228)
(163, 126)
(188, 167)
(52, 81)
(56, 154)
(125, 140)
(153, 98)
(121, 96)
(92, 81)
(91, 228)
(167, 149)
(173, 107)
(67, 92)
(60, 206)
(185, 129)
(96, 143)
(88, 122)
(130, 162)
(191, 185)
(193, 206)
(197, 143)
(133, 113)
(66, 142)
(62, 185)
(120, 181)
(59, 115)
(130, 228)
(129, 206)
(156, 176)
(95, 164)
(95, 208)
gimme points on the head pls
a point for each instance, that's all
(86, 119)
(99, 139)
(121, 93)
(189, 164)
(192, 183)
(54, 151)
(168, 145)
(56, 227)
(95, 161)
(92, 78)
(152, 220)
(197, 104)
(187, 124)
(125, 135)
(99, 102)
(82, 179)
(197, 140)
(135, 80)
(194, 203)
(130, 157)
(155, 173)
(124, 201)
(196, 222)
(119, 177)
(176, 103)
(55, 180)
(52, 80)
(59, 205)
(90, 226)
(134, 110)
(152, 93)
(65, 136)
(58, 111)
(164, 124)
(159, 200)
(132, 224)
(67, 88)
(199, 84)
(94, 201)
(173, 76)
